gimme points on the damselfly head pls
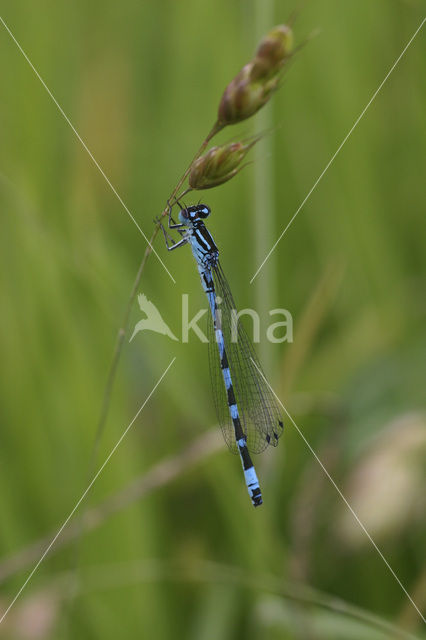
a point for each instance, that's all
(194, 213)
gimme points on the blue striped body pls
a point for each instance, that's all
(241, 441)
(206, 255)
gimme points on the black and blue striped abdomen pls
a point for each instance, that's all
(238, 436)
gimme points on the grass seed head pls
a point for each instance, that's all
(219, 164)
(258, 79)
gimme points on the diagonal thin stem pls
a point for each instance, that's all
(125, 323)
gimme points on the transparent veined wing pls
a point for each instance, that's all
(259, 412)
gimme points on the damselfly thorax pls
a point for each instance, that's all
(198, 236)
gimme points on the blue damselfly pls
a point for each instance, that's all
(245, 405)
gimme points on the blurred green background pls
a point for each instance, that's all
(191, 558)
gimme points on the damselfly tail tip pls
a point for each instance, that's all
(256, 497)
